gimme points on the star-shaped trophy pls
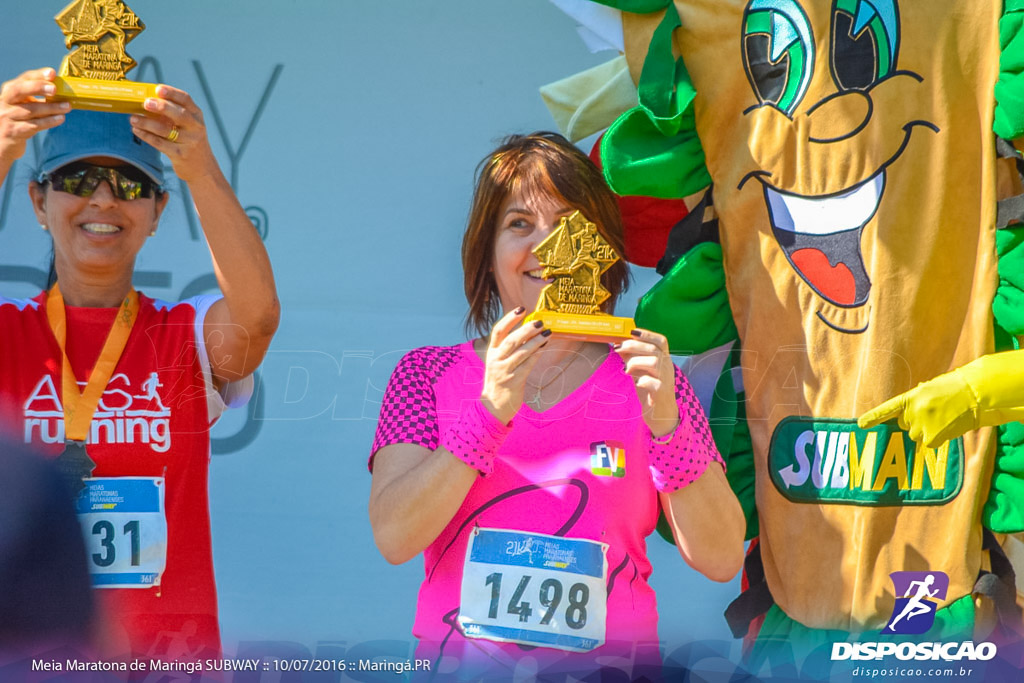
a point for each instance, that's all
(575, 255)
(93, 75)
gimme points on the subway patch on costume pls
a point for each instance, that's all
(823, 460)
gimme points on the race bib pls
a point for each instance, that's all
(125, 529)
(534, 589)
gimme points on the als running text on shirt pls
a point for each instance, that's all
(123, 416)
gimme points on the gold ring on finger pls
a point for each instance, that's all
(173, 135)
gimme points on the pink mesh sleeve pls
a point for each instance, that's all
(476, 437)
(408, 413)
(689, 450)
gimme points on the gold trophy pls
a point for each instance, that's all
(575, 255)
(92, 76)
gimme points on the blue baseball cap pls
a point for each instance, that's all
(87, 134)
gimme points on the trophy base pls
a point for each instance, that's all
(123, 97)
(597, 328)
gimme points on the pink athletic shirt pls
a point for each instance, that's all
(549, 477)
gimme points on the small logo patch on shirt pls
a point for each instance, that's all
(607, 459)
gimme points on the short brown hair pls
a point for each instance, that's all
(539, 162)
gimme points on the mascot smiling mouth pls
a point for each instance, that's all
(821, 237)
(821, 234)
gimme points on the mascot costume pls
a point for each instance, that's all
(850, 247)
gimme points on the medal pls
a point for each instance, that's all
(74, 465)
(79, 407)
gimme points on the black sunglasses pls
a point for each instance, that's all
(82, 179)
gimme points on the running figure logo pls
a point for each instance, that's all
(914, 612)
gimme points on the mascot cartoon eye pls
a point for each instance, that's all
(865, 42)
(778, 52)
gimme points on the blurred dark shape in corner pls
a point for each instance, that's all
(46, 600)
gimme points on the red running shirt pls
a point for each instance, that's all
(153, 420)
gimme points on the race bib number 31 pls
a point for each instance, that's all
(534, 589)
(125, 530)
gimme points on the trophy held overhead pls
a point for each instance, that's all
(93, 74)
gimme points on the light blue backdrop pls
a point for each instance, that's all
(358, 170)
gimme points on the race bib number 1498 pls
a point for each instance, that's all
(534, 589)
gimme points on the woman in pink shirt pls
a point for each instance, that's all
(528, 468)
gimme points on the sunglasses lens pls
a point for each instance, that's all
(126, 182)
(127, 189)
(69, 182)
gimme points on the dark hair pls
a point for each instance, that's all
(51, 274)
(544, 163)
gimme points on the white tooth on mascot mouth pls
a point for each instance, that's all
(847, 210)
(100, 228)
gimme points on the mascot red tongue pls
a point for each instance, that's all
(835, 282)
(797, 103)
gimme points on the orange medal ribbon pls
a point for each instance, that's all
(79, 407)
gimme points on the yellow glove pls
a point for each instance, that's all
(985, 392)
